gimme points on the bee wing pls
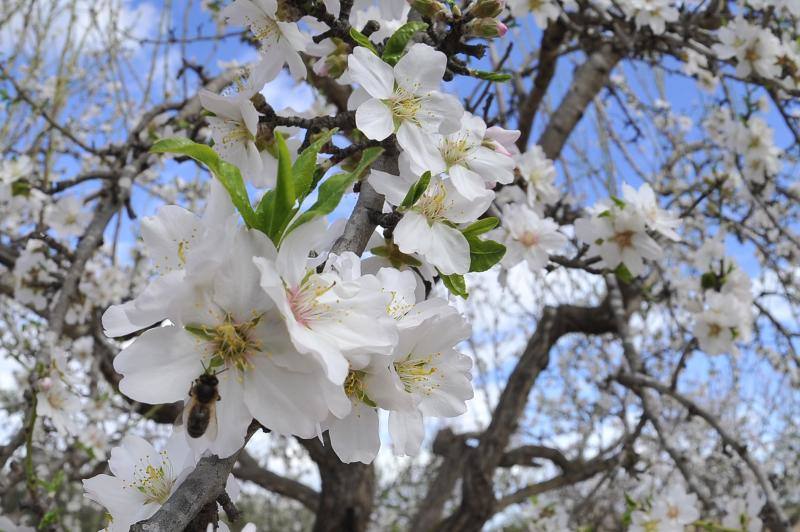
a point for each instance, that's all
(180, 421)
(211, 431)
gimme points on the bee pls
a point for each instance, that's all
(200, 415)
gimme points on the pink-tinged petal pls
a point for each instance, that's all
(159, 366)
(374, 119)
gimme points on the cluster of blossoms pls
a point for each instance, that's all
(305, 340)
(272, 326)
(617, 230)
(723, 312)
(670, 511)
(674, 509)
(750, 151)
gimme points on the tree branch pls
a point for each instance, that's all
(249, 469)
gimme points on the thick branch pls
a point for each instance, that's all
(201, 487)
(587, 82)
(478, 503)
(552, 38)
(249, 469)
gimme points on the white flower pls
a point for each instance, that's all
(543, 10)
(234, 128)
(471, 166)
(389, 14)
(528, 237)
(58, 403)
(66, 216)
(657, 219)
(424, 376)
(618, 238)
(502, 140)
(716, 327)
(756, 49)
(7, 525)
(335, 320)
(234, 324)
(675, 509)
(281, 42)
(404, 96)
(228, 323)
(427, 377)
(142, 479)
(539, 173)
(33, 272)
(179, 242)
(424, 228)
(655, 14)
(742, 513)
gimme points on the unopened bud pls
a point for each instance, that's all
(486, 27)
(488, 8)
(45, 384)
(428, 8)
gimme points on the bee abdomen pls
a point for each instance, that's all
(197, 423)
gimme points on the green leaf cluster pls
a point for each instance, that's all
(277, 211)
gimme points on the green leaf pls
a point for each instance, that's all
(455, 283)
(481, 226)
(329, 196)
(332, 189)
(484, 254)
(618, 202)
(306, 164)
(368, 157)
(199, 331)
(490, 76)
(226, 173)
(363, 40)
(397, 43)
(21, 187)
(416, 191)
(623, 273)
(276, 207)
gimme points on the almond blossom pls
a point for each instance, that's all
(426, 227)
(619, 238)
(404, 96)
(66, 217)
(234, 127)
(141, 480)
(756, 50)
(327, 316)
(471, 166)
(281, 41)
(528, 238)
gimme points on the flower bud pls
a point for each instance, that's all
(486, 27)
(45, 384)
(488, 8)
(428, 8)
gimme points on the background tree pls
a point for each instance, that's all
(629, 370)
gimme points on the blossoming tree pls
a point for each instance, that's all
(518, 265)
